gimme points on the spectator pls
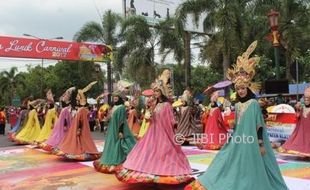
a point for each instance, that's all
(2, 121)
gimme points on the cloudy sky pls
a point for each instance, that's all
(48, 19)
(53, 18)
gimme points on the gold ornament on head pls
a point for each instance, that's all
(81, 97)
(243, 71)
(163, 83)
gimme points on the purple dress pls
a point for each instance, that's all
(60, 129)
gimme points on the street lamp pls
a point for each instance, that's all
(42, 60)
(273, 22)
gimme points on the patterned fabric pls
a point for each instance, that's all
(105, 168)
(77, 157)
(46, 147)
(195, 185)
(130, 176)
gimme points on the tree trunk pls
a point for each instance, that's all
(288, 62)
(187, 59)
(226, 64)
(109, 73)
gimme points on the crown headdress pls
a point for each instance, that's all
(163, 83)
(81, 97)
(66, 97)
(243, 71)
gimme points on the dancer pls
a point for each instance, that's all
(299, 142)
(215, 134)
(32, 128)
(78, 143)
(157, 158)
(186, 126)
(21, 121)
(62, 124)
(50, 118)
(133, 120)
(146, 116)
(253, 157)
(119, 140)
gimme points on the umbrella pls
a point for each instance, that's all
(222, 84)
(148, 92)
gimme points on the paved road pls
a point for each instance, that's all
(4, 142)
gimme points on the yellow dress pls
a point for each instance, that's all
(31, 130)
(50, 119)
(145, 124)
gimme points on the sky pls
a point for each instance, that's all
(53, 18)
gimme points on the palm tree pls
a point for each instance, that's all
(293, 26)
(9, 81)
(223, 24)
(135, 56)
(104, 32)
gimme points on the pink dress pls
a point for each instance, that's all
(157, 158)
(299, 142)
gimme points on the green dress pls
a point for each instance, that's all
(240, 165)
(115, 149)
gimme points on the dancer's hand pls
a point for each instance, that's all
(262, 150)
(120, 135)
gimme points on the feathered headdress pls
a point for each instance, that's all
(81, 97)
(37, 103)
(66, 96)
(163, 83)
(243, 71)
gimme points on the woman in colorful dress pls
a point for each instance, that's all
(133, 119)
(149, 106)
(21, 121)
(186, 125)
(62, 124)
(298, 143)
(215, 134)
(247, 161)
(119, 140)
(157, 158)
(78, 143)
(50, 119)
(32, 128)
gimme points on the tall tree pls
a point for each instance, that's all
(136, 53)
(104, 32)
(9, 81)
(223, 23)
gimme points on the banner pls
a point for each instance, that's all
(52, 49)
(280, 125)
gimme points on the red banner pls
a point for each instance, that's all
(52, 49)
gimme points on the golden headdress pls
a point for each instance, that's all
(37, 103)
(81, 97)
(243, 71)
(66, 97)
(163, 83)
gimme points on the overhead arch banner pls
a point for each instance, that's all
(52, 49)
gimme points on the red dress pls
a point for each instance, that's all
(215, 134)
(299, 142)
